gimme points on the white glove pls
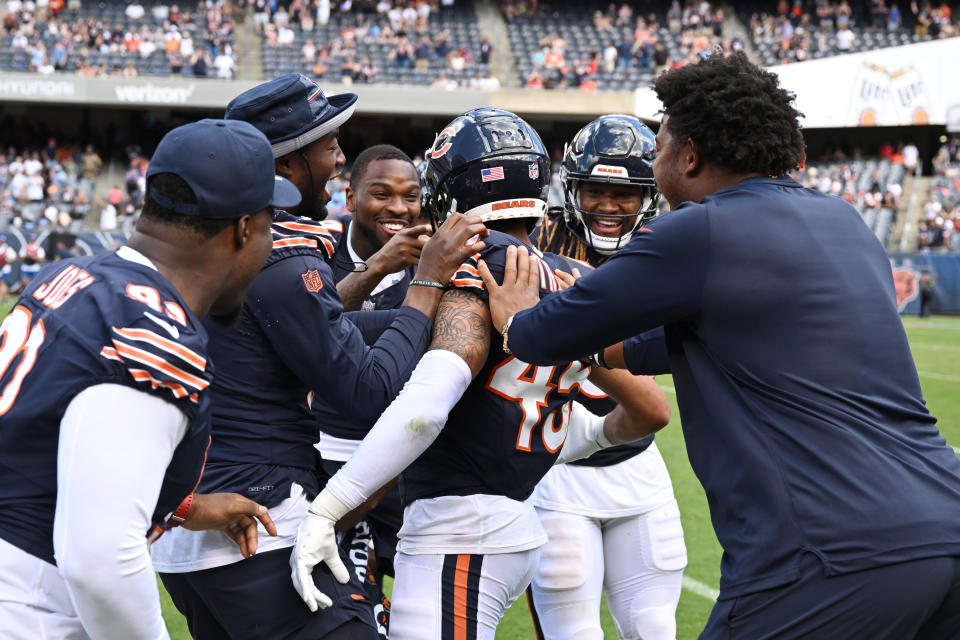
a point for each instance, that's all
(316, 543)
(585, 435)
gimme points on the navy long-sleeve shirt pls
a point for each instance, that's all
(291, 345)
(801, 406)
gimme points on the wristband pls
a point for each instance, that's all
(183, 511)
(417, 282)
(598, 359)
(506, 327)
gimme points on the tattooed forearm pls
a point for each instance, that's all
(462, 326)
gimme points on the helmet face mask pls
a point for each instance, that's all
(614, 150)
(490, 163)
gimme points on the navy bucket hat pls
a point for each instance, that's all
(292, 111)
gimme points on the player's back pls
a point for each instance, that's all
(506, 431)
(109, 319)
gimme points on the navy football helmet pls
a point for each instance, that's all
(487, 162)
(425, 192)
(613, 149)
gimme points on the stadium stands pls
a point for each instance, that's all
(113, 37)
(593, 46)
(52, 188)
(395, 43)
(874, 187)
(800, 31)
(940, 227)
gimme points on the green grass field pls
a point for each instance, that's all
(936, 349)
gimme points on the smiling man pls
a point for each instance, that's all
(608, 190)
(384, 200)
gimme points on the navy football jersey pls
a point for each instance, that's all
(291, 345)
(83, 322)
(553, 235)
(508, 428)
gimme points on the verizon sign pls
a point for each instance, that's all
(153, 94)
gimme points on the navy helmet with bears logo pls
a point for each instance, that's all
(487, 162)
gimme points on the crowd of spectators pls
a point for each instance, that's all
(874, 186)
(46, 36)
(619, 47)
(376, 41)
(939, 228)
(805, 29)
(49, 187)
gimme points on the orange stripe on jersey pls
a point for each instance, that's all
(111, 354)
(466, 282)
(327, 245)
(460, 597)
(332, 225)
(144, 376)
(469, 269)
(295, 242)
(300, 226)
(132, 353)
(165, 344)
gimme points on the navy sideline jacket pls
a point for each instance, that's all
(801, 406)
(380, 309)
(291, 344)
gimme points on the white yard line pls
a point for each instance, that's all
(938, 376)
(700, 589)
(667, 387)
(933, 345)
(956, 450)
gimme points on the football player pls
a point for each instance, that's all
(616, 508)
(381, 244)
(469, 542)
(32, 257)
(8, 256)
(291, 343)
(104, 409)
(373, 265)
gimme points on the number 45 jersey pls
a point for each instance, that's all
(108, 319)
(508, 428)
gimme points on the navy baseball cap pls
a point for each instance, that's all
(229, 166)
(292, 111)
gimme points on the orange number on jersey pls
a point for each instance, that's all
(529, 385)
(17, 337)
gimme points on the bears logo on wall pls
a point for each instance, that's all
(907, 283)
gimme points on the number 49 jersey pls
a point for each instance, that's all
(508, 428)
(108, 319)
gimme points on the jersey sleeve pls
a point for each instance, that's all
(304, 233)
(161, 357)
(295, 302)
(467, 277)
